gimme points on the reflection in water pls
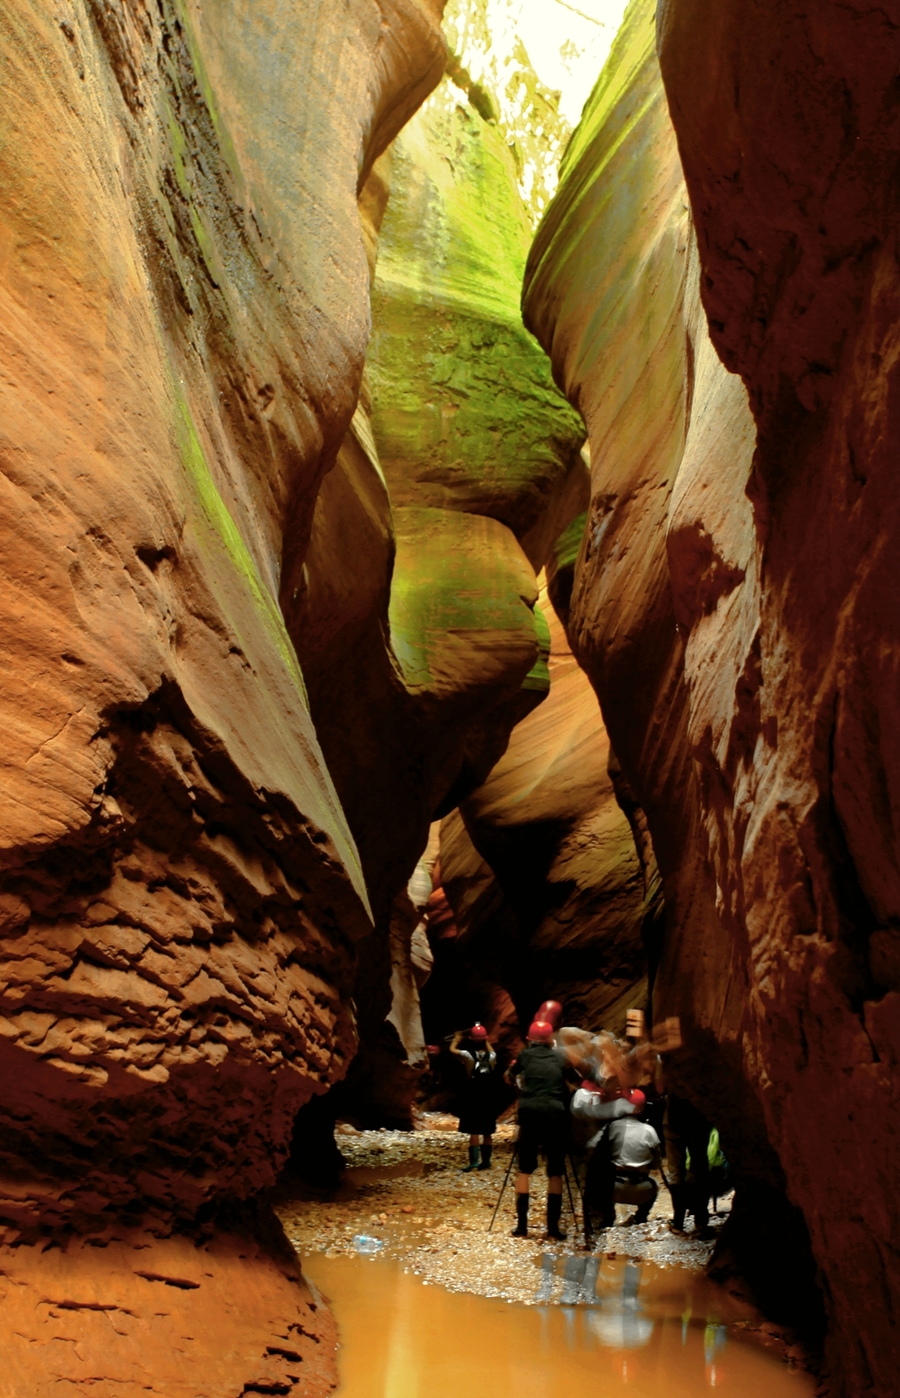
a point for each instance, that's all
(589, 1284)
(548, 1272)
(619, 1325)
(619, 1328)
(571, 1292)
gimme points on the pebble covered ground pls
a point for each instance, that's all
(407, 1189)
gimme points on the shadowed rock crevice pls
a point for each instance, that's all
(730, 601)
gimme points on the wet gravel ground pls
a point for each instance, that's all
(407, 1189)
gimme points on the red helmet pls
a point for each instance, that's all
(541, 1032)
(478, 1031)
(549, 1013)
(637, 1099)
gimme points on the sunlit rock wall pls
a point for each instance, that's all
(414, 611)
(608, 290)
(795, 197)
(540, 866)
(732, 599)
(184, 322)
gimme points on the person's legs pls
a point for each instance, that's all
(600, 1183)
(474, 1155)
(487, 1150)
(556, 1164)
(554, 1207)
(523, 1184)
(699, 1191)
(675, 1171)
(528, 1151)
(646, 1205)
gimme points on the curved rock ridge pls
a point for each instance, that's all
(608, 288)
(414, 612)
(540, 867)
(184, 313)
(732, 598)
(795, 197)
(184, 320)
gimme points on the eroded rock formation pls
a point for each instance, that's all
(200, 489)
(540, 866)
(169, 1317)
(184, 322)
(414, 610)
(733, 600)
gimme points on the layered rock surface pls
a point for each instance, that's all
(608, 290)
(414, 611)
(732, 596)
(184, 321)
(540, 867)
(164, 1317)
(795, 196)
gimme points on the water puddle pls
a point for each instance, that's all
(602, 1327)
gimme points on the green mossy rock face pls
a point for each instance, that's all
(466, 414)
(462, 605)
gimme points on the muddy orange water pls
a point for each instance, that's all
(648, 1331)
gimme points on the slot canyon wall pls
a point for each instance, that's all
(184, 323)
(280, 469)
(728, 332)
(540, 867)
(421, 642)
(264, 617)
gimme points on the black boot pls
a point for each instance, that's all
(487, 1151)
(474, 1156)
(521, 1228)
(679, 1204)
(554, 1209)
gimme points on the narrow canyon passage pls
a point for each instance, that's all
(449, 679)
(445, 1303)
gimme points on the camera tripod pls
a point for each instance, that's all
(567, 1163)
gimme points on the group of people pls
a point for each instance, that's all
(575, 1098)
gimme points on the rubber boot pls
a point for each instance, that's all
(554, 1209)
(487, 1151)
(701, 1213)
(474, 1157)
(521, 1228)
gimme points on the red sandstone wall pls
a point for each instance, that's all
(540, 866)
(788, 125)
(734, 596)
(183, 321)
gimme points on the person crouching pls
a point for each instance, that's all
(543, 1124)
(634, 1151)
(593, 1109)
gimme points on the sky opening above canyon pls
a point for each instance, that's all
(539, 60)
(567, 44)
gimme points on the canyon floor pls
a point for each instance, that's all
(408, 1190)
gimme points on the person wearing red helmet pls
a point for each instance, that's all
(478, 1100)
(592, 1110)
(635, 1150)
(543, 1124)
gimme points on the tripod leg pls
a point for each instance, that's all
(566, 1163)
(586, 1215)
(503, 1185)
(585, 1210)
